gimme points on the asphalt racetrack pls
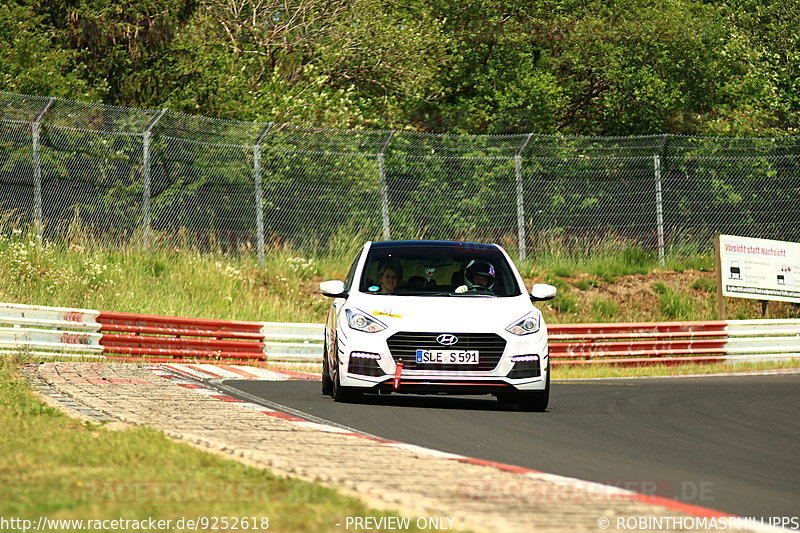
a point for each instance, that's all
(727, 443)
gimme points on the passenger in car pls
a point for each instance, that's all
(388, 278)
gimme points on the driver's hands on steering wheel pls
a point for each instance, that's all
(476, 288)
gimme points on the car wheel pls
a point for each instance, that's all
(327, 382)
(535, 401)
(339, 393)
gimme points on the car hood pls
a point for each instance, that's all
(444, 313)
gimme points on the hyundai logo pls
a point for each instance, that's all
(446, 339)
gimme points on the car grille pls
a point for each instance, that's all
(404, 345)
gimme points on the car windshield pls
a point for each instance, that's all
(461, 271)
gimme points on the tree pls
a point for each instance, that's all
(32, 61)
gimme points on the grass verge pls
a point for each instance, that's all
(57, 467)
(610, 284)
(564, 372)
(611, 371)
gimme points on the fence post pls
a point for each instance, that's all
(522, 242)
(259, 195)
(38, 216)
(146, 177)
(387, 230)
(659, 209)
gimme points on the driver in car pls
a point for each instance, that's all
(478, 275)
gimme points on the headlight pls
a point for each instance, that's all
(361, 321)
(526, 325)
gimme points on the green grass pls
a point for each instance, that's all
(55, 466)
(587, 283)
(169, 281)
(83, 273)
(606, 264)
(675, 305)
(566, 372)
(603, 310)
(708, 285)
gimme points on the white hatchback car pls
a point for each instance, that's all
(436, 317)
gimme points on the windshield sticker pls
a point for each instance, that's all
(381, 313)
(374, 288)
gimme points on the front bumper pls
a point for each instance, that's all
(379, 371)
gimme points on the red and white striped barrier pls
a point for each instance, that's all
(158, 338)
(674, 342)
(83, 332)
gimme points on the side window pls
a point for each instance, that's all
(348, 281)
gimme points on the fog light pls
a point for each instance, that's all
(525, 366)
(365, 364)
(365, 355)
(525, 358)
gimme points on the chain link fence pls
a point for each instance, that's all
(154, 176)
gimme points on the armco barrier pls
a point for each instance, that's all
(82, 332)
(674, 342)
(85, 332)
(46, 329)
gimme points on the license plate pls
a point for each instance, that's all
(448, 357)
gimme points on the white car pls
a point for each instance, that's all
(436, 317)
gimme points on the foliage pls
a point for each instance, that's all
(30, 61)
(571, 66)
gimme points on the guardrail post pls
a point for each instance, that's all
(146, 225)
(387, 230)
(259, 195)
(659, 209)
(38, 216)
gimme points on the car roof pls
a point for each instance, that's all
(438, 244)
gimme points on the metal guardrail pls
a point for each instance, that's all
(42, 330)
(86, 332)
(644, 343)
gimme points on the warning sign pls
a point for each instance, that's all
(760, 269)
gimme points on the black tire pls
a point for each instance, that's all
(339, 393)
(327, 382)
(535, 401)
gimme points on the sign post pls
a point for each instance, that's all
(720, 297)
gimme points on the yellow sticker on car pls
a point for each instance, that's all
(381, 313)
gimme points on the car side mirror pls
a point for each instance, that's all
(333, 289)
(542, 291)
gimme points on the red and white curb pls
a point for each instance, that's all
(224, 371)
(198, 374)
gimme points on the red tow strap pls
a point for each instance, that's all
(398, 372)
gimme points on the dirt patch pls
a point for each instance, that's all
(655, 297)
